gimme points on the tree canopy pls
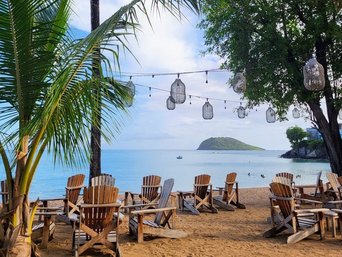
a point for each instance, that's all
(271, 41)
(296, 135)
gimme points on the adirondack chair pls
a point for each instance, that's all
(318, 190)
(334, 185)
(300, 222)
(162, 217)
(96, 224)
(149, 191)
(4, 195)
(72, 194)
(102, 180)
(228, 197)
(202, 196)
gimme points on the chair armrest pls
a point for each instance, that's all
(308, 200)
(139, 205)
(281, 198)
(149, 211)
(311, 210)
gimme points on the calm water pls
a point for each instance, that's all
(129, 166)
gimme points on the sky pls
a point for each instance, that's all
(173, 46)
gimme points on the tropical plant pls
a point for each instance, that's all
(46, 97)
(271, 41)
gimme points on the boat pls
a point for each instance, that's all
(179, 157)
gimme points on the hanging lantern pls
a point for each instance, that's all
(178, 91)
(295, 113)
(170, 103)
(313, 73)
(131, 88)
(241, 111)
(270, 115)
(239, 83)
(340, 114)
(207, 111)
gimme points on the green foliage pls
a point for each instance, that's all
(225, 143)
(315, 143)
(296, 136)
(272, 40)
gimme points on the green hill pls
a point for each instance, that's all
(225, 143)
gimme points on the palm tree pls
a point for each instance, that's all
(46, 97)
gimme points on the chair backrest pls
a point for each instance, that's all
(230, 180)
(74, 181)
(201, 185)
(318, 182)
(164, 198)
(285, 175)
(98, 217)
(333, 180)
(340, 180)
(150, 187)
(282, 180)
(286, 200)
(4, 193)
(102, 180)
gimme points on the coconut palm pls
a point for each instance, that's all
(46, 99)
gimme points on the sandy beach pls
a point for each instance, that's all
(237, 233)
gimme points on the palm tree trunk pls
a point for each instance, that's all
(95, 138)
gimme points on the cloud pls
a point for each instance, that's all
(173, 46)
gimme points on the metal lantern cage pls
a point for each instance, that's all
(313, 73)
(239, 83)
(340, 114)
(131, 88)
(270, 115)
(178, 91)
(170, 103)
(241, 111)
(295, 113)
(207, 111)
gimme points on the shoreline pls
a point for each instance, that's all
(237, 233)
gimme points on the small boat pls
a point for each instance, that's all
(179, 157)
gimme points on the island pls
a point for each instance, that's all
(225, 143)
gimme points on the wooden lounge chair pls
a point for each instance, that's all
(335, 188)
(96, 224)
(150, 191)
(300, 222)
(202, 196)
(72, 194)
(318, 188)
(102, 180)
(228, 197)
(4, 195)
(162, 217)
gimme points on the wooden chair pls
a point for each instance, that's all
(102, 180)
(72, 194)
(4, 195)
(202, 196)
(162, 217)
(334, 186)
(228, 197)
(318, 190)
(300, 222)
(96, 224)
(150, 191)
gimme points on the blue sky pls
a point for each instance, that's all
(173, 46)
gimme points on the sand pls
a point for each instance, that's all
(237, 233)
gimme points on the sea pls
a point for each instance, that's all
(254, 169)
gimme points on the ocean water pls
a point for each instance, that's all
(129, 166)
